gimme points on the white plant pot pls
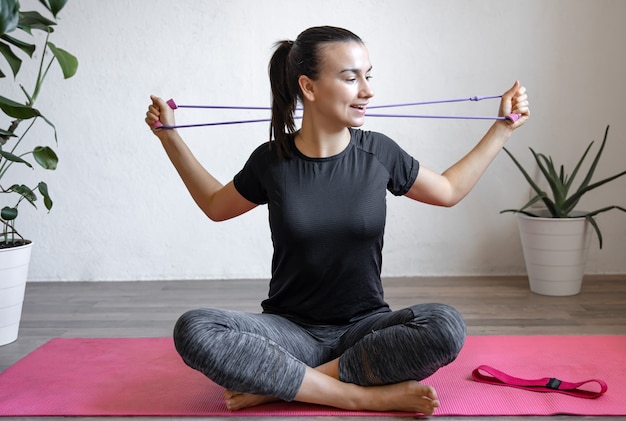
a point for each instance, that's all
(555, 251)
(13, 273)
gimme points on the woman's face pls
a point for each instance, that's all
(342, 91)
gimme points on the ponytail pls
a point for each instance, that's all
(284, 98)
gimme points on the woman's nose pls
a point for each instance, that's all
(366, 89)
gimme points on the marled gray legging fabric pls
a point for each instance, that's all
(266, 354)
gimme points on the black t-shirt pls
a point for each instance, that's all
(327, 218)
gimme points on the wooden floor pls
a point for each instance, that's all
(491, 306)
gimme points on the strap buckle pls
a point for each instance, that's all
(553, 384)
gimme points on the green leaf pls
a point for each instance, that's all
(25, 192)
(68, 63)
(605, 209)
(549, 204)
(585, 186)
(592, 221)
(9, 15)
(546, 166)
(17, 110)
(594, 164)
(46, 157)
(27, 48)
(578, 165)
(54, 6)
(524, 173)
(14, 61)
(576, 196)
(596, 228)
(8, 214)
(43, 189)
(53, 128)
(34, 20)
(532, 201)
(14, 158)
(520, 211)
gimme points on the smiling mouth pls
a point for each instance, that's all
(359, 107)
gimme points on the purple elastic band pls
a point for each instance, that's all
(174, 106)
(462, 117)
(512, 118)
(219, 123)
(440, 101)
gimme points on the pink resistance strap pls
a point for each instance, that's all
(539, 385)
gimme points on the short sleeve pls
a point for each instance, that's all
(400, 165)
(249, 181)
(403, 173)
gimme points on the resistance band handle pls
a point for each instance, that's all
(157, 124)
(512, 118)
(547, 384)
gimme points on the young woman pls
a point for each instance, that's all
(326, 335)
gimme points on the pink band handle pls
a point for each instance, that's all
(172, 105)
(512, 118)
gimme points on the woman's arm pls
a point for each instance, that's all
(217, 201)
(450, 187)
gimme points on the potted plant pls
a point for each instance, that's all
(556, 236)
(18, 44)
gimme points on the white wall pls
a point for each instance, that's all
(121, 213)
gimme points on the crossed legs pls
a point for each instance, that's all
(377, 365)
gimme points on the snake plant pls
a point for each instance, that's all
(560, 202)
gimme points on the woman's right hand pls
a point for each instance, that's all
(159, 111)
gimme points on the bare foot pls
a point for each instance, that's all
(409, 396)
(237, 400)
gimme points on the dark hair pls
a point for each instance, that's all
(290, 60)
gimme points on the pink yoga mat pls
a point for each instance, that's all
(145, 377)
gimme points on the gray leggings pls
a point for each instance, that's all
(266, 354)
